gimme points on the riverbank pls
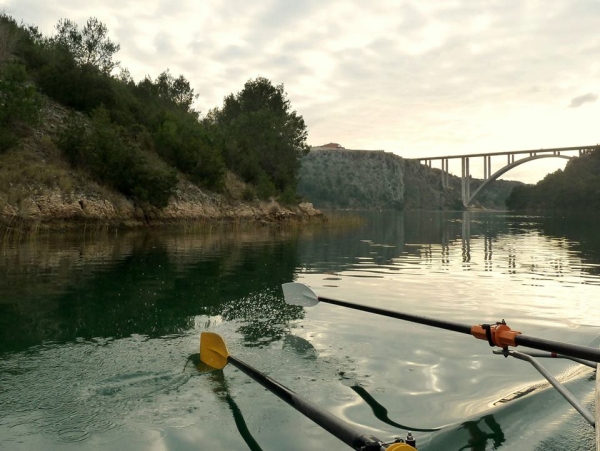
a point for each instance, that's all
(30, 207)
(53, 210)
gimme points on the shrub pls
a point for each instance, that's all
(182, 141)
(74, 140)
(249, 194)
(289, 196)
(84, 88)
(265, 187)
(19, 104)
(111, 157)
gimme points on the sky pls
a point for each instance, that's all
(416, 78)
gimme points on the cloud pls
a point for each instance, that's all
(163, 43)
(576, 102)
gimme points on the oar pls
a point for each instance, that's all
(498, 334)
(214, 353)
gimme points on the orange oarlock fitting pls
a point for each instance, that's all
(498, 334)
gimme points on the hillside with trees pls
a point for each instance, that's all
(575, 188)
(71, 116)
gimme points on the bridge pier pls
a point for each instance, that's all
(487, 167)
(445, 174)
(465, 181)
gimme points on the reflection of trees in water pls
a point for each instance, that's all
(156, 288)
(581, 231)
(380, 237)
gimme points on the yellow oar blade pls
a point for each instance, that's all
(213, 350)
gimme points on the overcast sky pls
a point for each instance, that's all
(417, 78)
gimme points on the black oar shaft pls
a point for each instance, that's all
(582, 352)
(326, 420)
(448, 325)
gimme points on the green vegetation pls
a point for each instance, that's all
(575, 188)
(117, 159)
(261, 137)
(136, 137)
(19, 104)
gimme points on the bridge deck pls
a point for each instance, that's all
(533, 154)
(509, 152)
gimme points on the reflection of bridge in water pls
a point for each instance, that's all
(488, 177)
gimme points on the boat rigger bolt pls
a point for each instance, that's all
(410, 440)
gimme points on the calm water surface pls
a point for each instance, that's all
(95, 335)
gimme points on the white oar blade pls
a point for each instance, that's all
(299, 294)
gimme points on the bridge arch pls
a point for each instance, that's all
(507, 168)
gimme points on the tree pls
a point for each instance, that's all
(575, 188)
(8, 37)
(20, 103)
(263, 136)
(176, 90)
(90, 45)
(112, 157)
(184, 142)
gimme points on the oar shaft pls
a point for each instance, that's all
(571, 350)
(326, 420)
(582, 352)
(447, 325)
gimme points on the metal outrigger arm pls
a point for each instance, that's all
(530, 357)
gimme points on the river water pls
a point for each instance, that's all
(98, 335)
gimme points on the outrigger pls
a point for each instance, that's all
(498, 335)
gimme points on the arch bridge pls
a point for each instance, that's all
(511, 162)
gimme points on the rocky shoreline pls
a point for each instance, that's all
(53, 209)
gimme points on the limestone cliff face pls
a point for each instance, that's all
(340, 178)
